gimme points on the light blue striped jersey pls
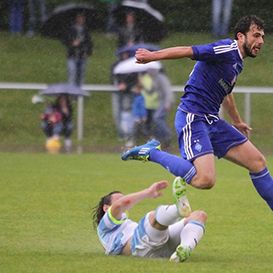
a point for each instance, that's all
(213, 76)
(114, 234)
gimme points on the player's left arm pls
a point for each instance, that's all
(231, 109)
(128, 201)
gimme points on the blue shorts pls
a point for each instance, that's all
(199, 135)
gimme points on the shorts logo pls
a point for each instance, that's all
(197, 146)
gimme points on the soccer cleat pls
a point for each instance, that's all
(179, 193)
(142, 152)
(180, 255)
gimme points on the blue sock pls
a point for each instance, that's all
(263, 183)
(174, 164)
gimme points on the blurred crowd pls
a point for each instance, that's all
(143, 96)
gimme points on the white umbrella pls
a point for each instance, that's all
(130, 66)
(145, 7)
(63, 88)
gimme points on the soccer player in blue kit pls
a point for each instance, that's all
(201, 133)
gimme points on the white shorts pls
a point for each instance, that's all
(150, 242)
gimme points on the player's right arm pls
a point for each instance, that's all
(231, 109)
(145, 56)
(128, 201)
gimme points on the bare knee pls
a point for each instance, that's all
(198, 215)
(259, 163)
(204, 181)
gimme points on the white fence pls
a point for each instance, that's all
(247, 91)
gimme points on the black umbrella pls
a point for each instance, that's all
(63, 16)
(150, 20)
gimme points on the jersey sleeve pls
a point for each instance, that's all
(216, 52)
(114, 220)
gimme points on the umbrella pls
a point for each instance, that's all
(63, 88)
(63, 16)
(133, 48)
(130, 66)
(150, 20)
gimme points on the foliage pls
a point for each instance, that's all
(180, 15)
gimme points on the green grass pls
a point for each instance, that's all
(43, 60)
(46, 225)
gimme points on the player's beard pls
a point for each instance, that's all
(248, 51)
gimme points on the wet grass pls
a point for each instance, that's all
(45, 213)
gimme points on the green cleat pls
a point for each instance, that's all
(180, 255)
(179, 193)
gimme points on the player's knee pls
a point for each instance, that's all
(206, 181)
(259, 164)
(199, 215)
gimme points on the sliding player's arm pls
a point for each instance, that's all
(128, 201)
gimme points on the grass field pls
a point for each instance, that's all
(46, 224)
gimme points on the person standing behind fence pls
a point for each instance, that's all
(129, 33)
(33, 7)
(221, 13)
(139, 113)
(159, 99)
(16, 16)
(79, 47)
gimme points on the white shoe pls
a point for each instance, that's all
(179, 193)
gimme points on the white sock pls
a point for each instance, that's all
(192, 234)
(167, 215)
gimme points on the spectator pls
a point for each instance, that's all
(125, 84)
(158, 98)
(151, 99)
(57, 120)
(139, 113)
(79, 47)
(122, 101)
(129, 33)
(16, 16)
(221, 13)
(33, 7)
(111, 27)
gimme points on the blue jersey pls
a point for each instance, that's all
(213, 76)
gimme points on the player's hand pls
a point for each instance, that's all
(143, 56)
(155, 189)
(243, 128)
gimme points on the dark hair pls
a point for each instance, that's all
(97, 211)
(57, 104)
(245, 22)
